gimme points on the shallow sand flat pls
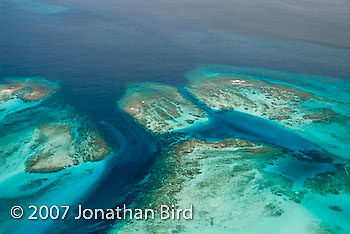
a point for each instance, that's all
(42, 136)
(160, 108)
(14, 150)
(20, 93)
(260, 98)
(229, 189)
(66, 187)
(38, 137)
(317, 117)
(29, 89)
(57, 147)
(54, 149)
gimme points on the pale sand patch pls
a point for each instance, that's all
(229, 190)
(321, 120)
(26, 89)
(160, 108)
(57, 148)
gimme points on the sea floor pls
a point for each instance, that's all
(253, 151)
(271, 158)
(49, 153)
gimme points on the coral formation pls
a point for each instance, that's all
(160, 108)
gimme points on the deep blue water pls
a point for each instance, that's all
(96, 48)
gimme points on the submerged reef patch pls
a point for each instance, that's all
(160, 108)
(229, 189)
(51, 145)
(323, 120)
(333, 182)
(46, 151)
(29, 89)
(243, 186)
(40, 134)
(20, 93)
(61, 145)
(258, 97)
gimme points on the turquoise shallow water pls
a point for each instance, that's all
(236, 124)
(96, 49)
(297, 170)
(320, 206)
(111, 181)
(306, 164)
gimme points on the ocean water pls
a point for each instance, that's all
(95, 49)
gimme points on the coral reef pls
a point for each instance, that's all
(229, 189)
(160, 108)
(29, 89)
(56, 147)
(319, 119)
